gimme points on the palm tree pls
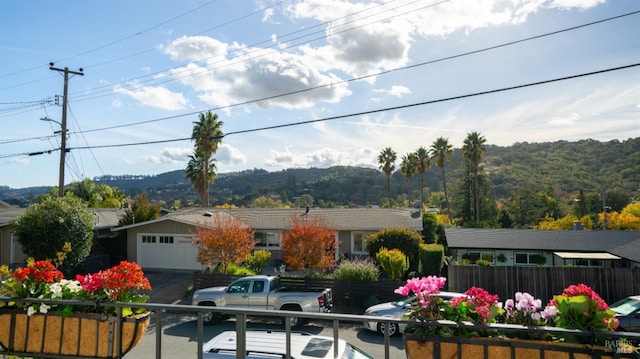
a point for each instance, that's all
(195, 172)
(424, 162)
(441, 151)
(408, 168)
(207, 133)
(472, 150)
(387, 160)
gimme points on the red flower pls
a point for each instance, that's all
(40, 271)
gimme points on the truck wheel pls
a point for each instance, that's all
(296, 322)
(208, 318)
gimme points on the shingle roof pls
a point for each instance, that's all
(360, 219)
(9, 214)
(619, 243)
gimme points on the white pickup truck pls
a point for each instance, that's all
(265, 293)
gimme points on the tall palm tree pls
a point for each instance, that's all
(424, 163)
(472, 150)
(387, 160)
(197, 174)
(441, 151)
(408, 168)
(207, 133)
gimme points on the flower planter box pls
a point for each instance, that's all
(436, 347)
(81, 335)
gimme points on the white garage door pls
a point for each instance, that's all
(166, 252)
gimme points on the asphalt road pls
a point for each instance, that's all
(179, 337)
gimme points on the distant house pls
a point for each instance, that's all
(526, 247)
(11, 250)
(166, 243)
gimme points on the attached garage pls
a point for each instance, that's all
(156, 250)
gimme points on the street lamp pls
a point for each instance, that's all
(63, 151)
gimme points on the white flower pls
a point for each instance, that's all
(44, 308)
(31, 310)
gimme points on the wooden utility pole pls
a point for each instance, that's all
(63, 142)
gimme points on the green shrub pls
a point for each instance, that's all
(431, 259)
(357, 269)
(482, 262)
(257, 260)
(404, 239)
(393, 261)
(235, 269)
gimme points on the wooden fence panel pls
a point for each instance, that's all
(611, 284)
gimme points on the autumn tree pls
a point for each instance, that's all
(308, 244)
(223, 240)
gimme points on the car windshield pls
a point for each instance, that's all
(626, 306)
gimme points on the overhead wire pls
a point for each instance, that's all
(385, 109)
(380, 73)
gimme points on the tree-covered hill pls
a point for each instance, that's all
(559, 168)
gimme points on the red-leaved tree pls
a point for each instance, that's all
(308, 244)
(222, 241)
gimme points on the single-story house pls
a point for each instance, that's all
(529, 247)
(10, 249)
(166, 242)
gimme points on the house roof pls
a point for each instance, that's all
(625, 244)
(103, 217)
(9, 214)
(360, 219)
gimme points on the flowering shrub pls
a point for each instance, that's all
(578, 307)
(527, 310)
(41, 279)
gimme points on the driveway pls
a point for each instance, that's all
(169, 287)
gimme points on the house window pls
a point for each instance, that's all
(529, 258)
(166, 239)
(359, 242)
(148, 239)
(474, 256)
(582, 262)
(267, 239)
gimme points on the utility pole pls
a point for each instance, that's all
(63, 142)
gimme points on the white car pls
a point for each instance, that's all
(397, 310)
(272, 344)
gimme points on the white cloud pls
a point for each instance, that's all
(170, 155)
(581, 4)
(395, 90)
(228, 154)
(22, 161)
(322, 158)
(153, 96)
(567, 120)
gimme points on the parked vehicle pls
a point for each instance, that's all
(272, 344)
(396, 310)
(628, 313)
(265, 293)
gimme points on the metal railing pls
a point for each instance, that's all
(241, 315)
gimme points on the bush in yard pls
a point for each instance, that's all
(357, 269)
(309, 244)
(406, 240)
(394, 262)
(45, 229)
(431, 259)
(223, 241)
(257, 260)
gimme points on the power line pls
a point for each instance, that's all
(420, 64)
(423, 103)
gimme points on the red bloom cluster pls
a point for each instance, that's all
(123, 277)
(92, 283)
(40, 271)
(479, 301)
(582, 289)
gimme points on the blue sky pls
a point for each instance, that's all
(151, 66)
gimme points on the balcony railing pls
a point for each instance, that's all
(241, 315)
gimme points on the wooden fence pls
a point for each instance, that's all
(348, 296)
(611, 284)
(542, 282)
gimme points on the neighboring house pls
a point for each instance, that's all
(11, 250)
(528, 247)
(166, 243)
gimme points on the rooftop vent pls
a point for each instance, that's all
(207, 214)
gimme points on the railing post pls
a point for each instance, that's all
(241, 335)
(200, 335)
(158, 334)
(336, 337)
